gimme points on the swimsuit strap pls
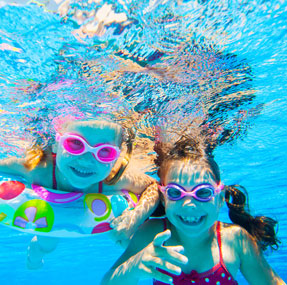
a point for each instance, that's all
(54, 171)
(101, 187)
(164, 224)
(219, 242)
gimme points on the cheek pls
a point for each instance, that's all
(63, 158)
(170, 206)
(104, 168)
(213, 208)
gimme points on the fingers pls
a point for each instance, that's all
(120, 238)
(159, 260)
(34, 255)
(152, 273)
(159, 263)
(116, 221)
(123, 221)
(171, 253)
(161, 238)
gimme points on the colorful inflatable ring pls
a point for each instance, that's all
(38, 210)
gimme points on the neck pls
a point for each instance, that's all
(194, 242)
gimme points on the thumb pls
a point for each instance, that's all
(161, 238)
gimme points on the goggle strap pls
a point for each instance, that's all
(111, 180)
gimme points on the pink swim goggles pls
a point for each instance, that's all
(77, 145)
(202, 192)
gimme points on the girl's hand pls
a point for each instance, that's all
(124, 227)
(156, 255)
(39, 246)
(128, 222)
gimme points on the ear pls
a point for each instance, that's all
(161, 198)
(54, 147)
(221, 197)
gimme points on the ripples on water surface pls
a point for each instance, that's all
(217, 64)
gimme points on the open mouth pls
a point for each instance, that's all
(82, 172)
(191, 221)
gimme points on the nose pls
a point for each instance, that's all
(88, 157)
(189, 202)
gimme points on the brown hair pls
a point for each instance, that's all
(194, 149)
(260, 227)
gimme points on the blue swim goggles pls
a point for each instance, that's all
(202, 192)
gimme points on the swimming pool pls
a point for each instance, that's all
(43, 55)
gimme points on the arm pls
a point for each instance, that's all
(13, 166)
(125, 225)
(134, 181)
(254, 266)
(144, 254)
(42, 174)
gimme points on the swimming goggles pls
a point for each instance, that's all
(202, 192)
(77, 145)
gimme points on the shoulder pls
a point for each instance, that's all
(233, 231)
(244, 244)
(248, 256)
(235, 234)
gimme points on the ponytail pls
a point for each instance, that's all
(260, 227)
(114, 178)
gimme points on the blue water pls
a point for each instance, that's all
(39, 48)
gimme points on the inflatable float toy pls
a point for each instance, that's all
(43, 211)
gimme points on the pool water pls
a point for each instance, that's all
(46, 53)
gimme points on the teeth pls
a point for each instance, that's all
(190, 219)
(82, 171)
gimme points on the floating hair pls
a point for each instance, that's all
(260, 227)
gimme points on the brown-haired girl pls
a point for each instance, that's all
(190, 246)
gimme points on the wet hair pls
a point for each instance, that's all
(35, 155)
(189, 148)
(262, 228)
(193, 149)
(38, 154)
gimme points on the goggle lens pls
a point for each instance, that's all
(73, 145)
(107, 154)
(173, 193)
(204, 193)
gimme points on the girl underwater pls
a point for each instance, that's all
(85, 158)
(190, 246)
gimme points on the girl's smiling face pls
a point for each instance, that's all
(82, 171)
(188, 215)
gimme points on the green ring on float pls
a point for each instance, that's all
(90, 198)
